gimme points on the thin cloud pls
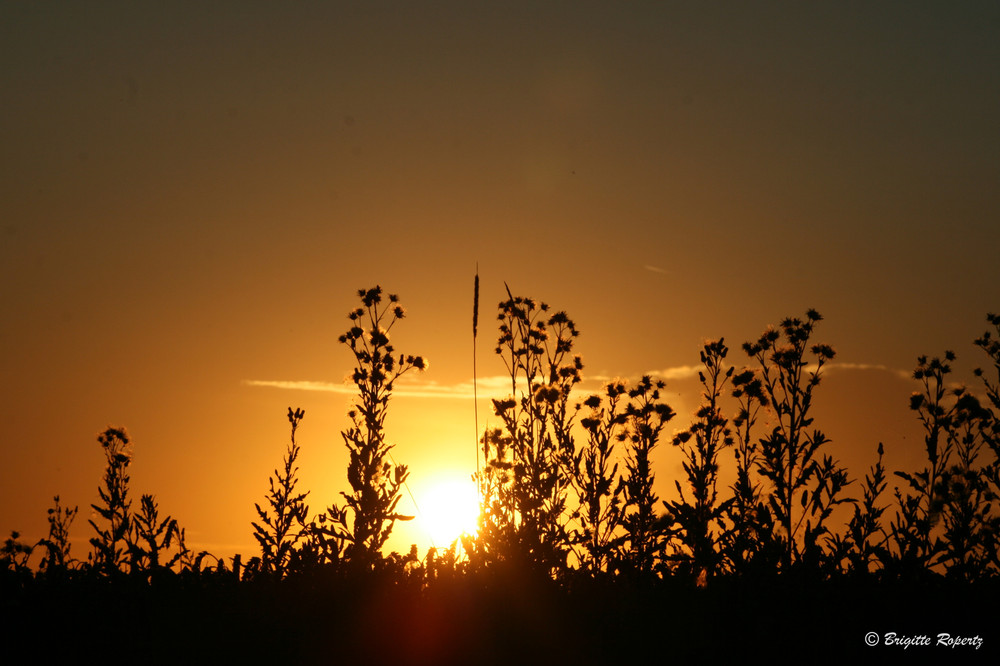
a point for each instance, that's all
(487, 387)
(864, 367)
(298, 385)
(677, 372)
(691, 371)
(655, 269)
(498, 386)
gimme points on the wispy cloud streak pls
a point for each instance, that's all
(499, 386)
(489, 387)
(868, 367)
(677, 372)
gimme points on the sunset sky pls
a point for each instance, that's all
(193, 193)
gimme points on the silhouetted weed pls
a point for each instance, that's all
(803, 486)
(357, 530)
(110, 554)
(286, 523)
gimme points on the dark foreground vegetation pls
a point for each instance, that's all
(577, 560)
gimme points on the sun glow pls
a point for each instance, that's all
(449, 508)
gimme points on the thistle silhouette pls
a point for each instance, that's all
(375, 481)
(598, 539)
(526, 478)
(804, 487)
(700, 520)
(111, 543)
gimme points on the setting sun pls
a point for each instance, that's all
(449, 507)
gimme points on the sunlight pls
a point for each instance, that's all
(449, 508)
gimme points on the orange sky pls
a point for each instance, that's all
(192, 195)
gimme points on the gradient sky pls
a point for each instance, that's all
(191, 195)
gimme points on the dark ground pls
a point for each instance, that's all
(492, 620)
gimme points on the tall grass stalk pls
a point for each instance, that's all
(475, 380)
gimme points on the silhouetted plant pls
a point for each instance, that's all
(14, 554)
(151, 540)
(496, 537)
(56, 544)
(111, 543)
(644, 527)
(528, 461)
(197, 562)
(989, 342)
(919, 512)
(864, 548)
(375, 481)
(699, 520)
(403, 571)
(441, 564)
(749, 540)
(911, 530)
(789, 453)
(285, 524)
(599, 487)
(969, 526)
(948, 522)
